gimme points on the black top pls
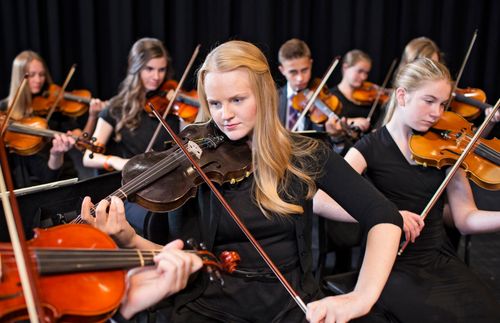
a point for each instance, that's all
(134, 142)
(428, 281)
(286, 240)
(353, 110)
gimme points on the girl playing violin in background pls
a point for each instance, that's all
(429, 282)
(124, 126)
(36, 168)
(356, 66)
(237, 91)
(424, 47)
(416, 48)
(124, 119)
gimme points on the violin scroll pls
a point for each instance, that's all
(227, 261)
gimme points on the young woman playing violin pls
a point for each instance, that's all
(237, 91)
(38, 168)
(429, 282)
(124, 126)
(124, 119)
(356, 66)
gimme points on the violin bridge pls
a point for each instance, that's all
(194, 149)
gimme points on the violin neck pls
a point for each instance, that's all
(319, 104)
(62, 261)
(30, 130)
(76, 98)
(188, 100)
(468, 100)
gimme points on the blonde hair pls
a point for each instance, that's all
(354, 56)
(20, 66)
(413, 75)
(419, 47)
(128, 104)
(292, 49)
(272, 146)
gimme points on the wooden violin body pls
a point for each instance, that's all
(27, 137)
(466, 110)
(444, 143)
(81, 273)
(73, 104)
(185, 106)
(367, 93)
(324, 105)
(167, 179)
(25, 144)
(72, 287)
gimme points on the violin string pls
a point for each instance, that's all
(54, 257)
(143, 178)
(485, 149)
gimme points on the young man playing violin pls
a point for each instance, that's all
(295, 65)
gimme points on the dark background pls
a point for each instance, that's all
(97, 34)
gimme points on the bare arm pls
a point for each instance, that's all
(102, 133)
(325, 206)
(95, 107)
(381, 249)
(468, 219)
(60, 145)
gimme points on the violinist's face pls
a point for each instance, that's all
(36, 76)
(231, 102)
(357, 73)
(423, 107)
(153, 74)
(297, 72)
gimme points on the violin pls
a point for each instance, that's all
(81, 273)
(367, 93)
(444, 142)
(186, 104)
(324, 106)
(468, 102)
(26, 137)
(73, 104)
(145, 176)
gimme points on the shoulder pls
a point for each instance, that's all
(282, 90)
(372, 140)
(309, 153)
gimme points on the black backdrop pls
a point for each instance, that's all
(97, 34)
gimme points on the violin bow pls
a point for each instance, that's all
(21, 87)
(172, 99)
(61, 92)
(233, 215)
(453, 170)
(382, 88)
(459, 76)
(18, 239)
(316, 93)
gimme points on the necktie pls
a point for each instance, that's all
(293, 116)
